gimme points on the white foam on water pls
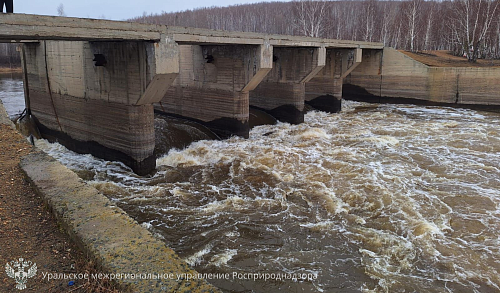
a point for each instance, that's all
(413, 192)
(197, 257)
(229, 204)
(147, 225)
(223, 258)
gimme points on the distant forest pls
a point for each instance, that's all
(466, 27)
(8, 55)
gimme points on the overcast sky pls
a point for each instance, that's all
(116, 9)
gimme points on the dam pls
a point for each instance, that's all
(377, 198)
(94, 85)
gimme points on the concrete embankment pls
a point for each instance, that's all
(391, 75)
(4, 118)
(105, 232)
(118, 243)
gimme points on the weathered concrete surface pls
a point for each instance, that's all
(91, 83)
(324, 91)
(67, 68)
(197, 36)
(282, 92)
(4, 118)
(107, 233)
(391, 74)
(214, 83)
(103, 110)
(37, 27)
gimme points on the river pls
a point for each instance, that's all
(378, 198)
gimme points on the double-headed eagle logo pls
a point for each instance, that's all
(16, 270)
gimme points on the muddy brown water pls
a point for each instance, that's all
(378, 198)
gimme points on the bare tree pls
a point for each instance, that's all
(60, 10)
(387, 26)
(457, 25)
(335, 20)
(397, 37)
(368, 19)
(310, 17)
(412, 13)
(428, 30)
(470, 22)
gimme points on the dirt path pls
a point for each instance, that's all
(28, 230)
(445, 59)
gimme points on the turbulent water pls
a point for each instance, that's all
(379, 198)
(11, 93)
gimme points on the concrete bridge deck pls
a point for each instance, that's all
(19, 27)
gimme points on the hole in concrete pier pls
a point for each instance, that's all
(100, 60)
(210, 59)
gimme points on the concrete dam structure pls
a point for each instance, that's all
(94, 85)
(388, 75)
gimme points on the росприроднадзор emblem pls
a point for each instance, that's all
(16, 269)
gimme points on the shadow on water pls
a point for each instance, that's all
(177, 133)
(259, 117)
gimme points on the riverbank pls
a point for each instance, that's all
(28, 230)
(104, 233)
(10, 70)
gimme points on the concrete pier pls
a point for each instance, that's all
(103, 109)
(214, 84)
(324, 91)
(282, 92)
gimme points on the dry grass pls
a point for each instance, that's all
(87, 266)
(29, 230)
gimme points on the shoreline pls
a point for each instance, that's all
(40, 239)
(94, 235)
(10, 70)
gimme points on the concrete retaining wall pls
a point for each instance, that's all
(107, 233)
(392, 74)
(4, 118)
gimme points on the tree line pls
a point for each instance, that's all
(466, 27)
(9, 57)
